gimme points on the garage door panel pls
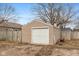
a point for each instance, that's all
(40, 36)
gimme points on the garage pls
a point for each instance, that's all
(40, 35)
(39, 32)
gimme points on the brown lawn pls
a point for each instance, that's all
(67, 48)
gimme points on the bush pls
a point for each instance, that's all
(61, 40)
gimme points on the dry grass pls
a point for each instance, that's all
(70, 44)
(16, 49)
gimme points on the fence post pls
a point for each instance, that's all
(12, 34)
(21, 36)
(17, 35)
(6, 33)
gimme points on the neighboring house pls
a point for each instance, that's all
(38, 32)
(10, 31)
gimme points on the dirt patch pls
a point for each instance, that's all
(45, 51)
(25, 50)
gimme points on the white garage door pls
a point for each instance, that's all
(40, 35)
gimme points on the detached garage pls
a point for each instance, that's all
(38, 32)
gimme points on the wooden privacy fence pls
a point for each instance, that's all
(75, 34)
(10, 34)
(10, 31)
(70, 34)
(66, 34)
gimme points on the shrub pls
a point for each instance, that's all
(61, 40)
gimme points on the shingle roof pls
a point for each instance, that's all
(10, 25)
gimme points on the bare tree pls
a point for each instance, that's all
(7, 12)
(46, 12)
(59, 14)
(55, 13)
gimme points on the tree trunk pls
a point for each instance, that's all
(61, 38)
